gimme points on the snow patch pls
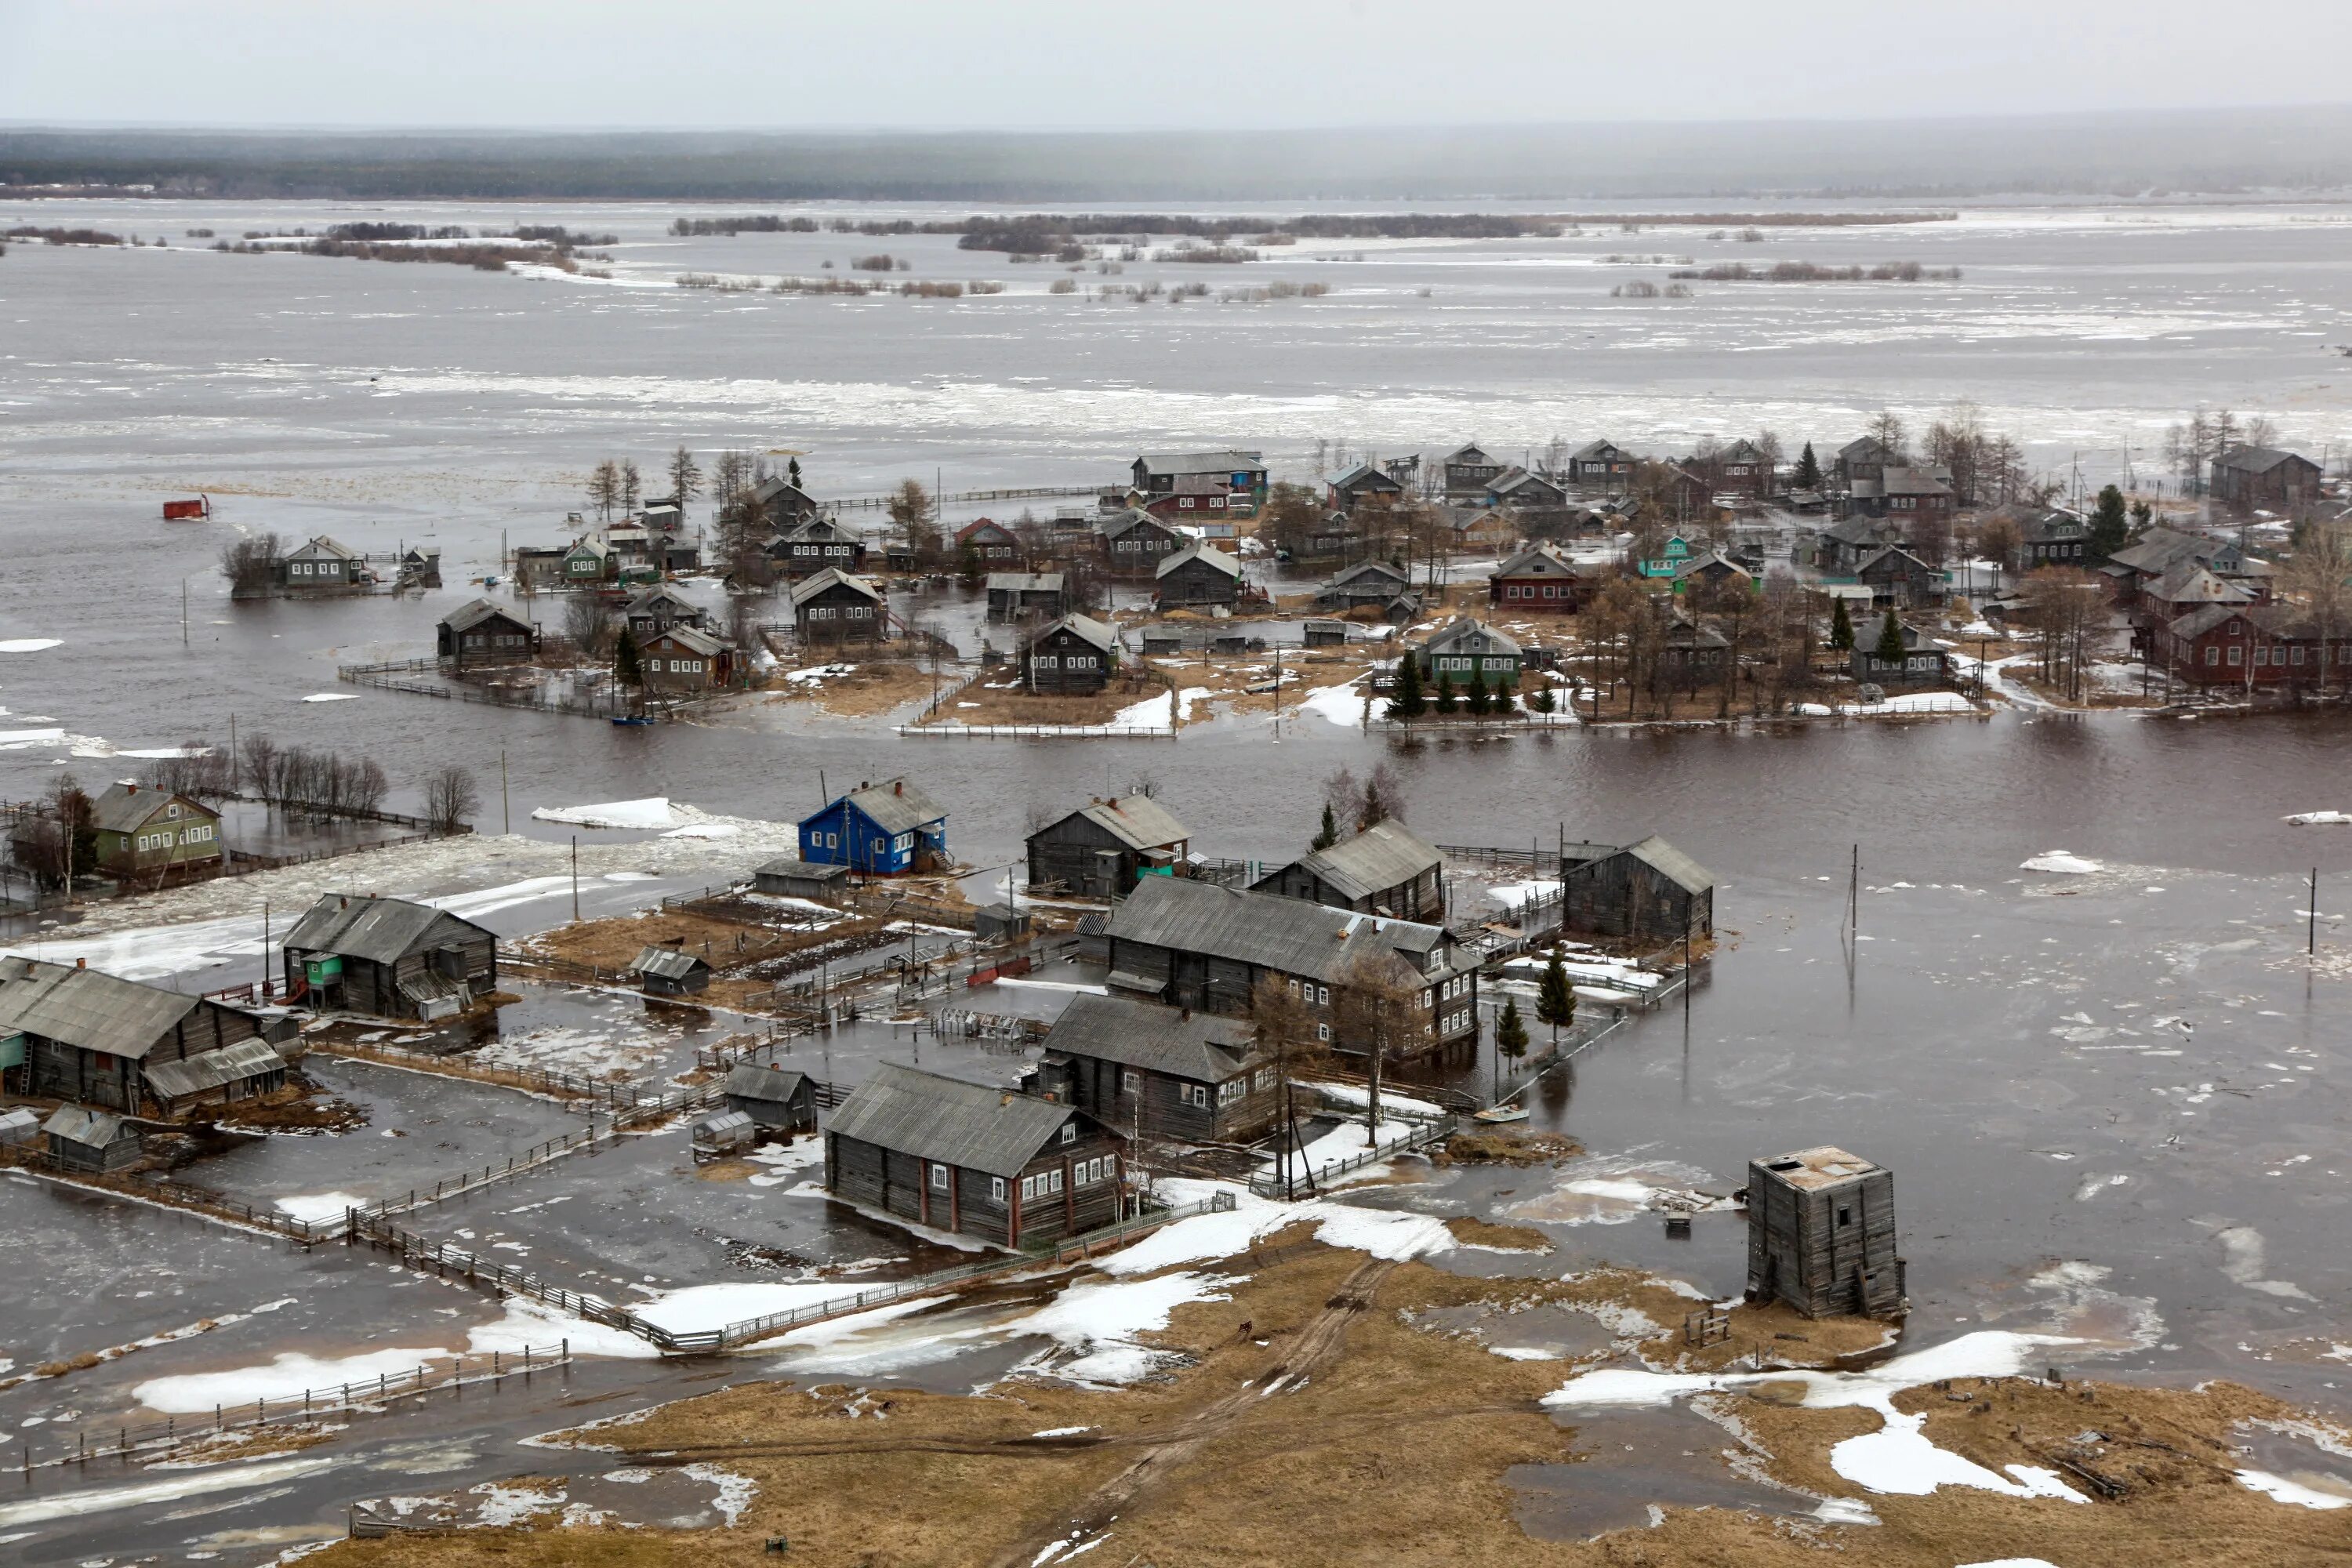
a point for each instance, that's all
(2059, 863)
(645, 815)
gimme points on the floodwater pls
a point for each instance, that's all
(2112, 1101)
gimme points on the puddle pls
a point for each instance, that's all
(1626, 1470)
(1540, 1332)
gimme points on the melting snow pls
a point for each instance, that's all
(2061, 863)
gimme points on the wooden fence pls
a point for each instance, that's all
(390, 676)
(1041, 731)
(598, 1093)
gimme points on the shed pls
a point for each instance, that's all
(1820, 1234)
(19, 1128)
(231, 1073)
(1013, 596)
(777, 1099)
(1387, 869)
(670, 972)
(790, 878)
(84, 1140)
(999, 923)
(1323, 633)
(1645, 892)
(725, 1132)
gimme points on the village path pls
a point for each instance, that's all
(1317, 1344)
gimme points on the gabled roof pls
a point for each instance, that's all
(323, 547)
(2189, 583)
(753, 1081)
(2202, 619)
(78, 1124)
(1197, 1045)
(1382, 569)
(1537, 560)
(1913, 482)
(1137, 821)
(659, 594)
(995, 1130)
(215, 1068)
(1200, 550)
(667, 962)
(468, 616)
(2257, 460)
(894, 805)
(1865, 447)
(1364, 476)
(1086, 628)
(817, 582)
(1472, 453)
(128, 807)
(1225, 462)
(779, 485)
(2054, 524)
(1714, 558)
(1670, 862)
(378, 931)
(86, 1008)
(1133, 518)
(1464, 626)
(1880, 554)
(1288, 935)
(817, 529)
(971, 530)
(1024, 582)
(693, 639)
(596, 547)
(1385, 855)
(1518, 479)
(1740, 451)
(1684, 634)
(1600, 449)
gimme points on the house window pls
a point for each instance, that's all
(1028, 1188)
(1130, 1081)
(831, 841)
(1323, 996)
(1845, 1216)
(1265, 1080)
(1052, 1181)
(996, 1188)
(1069, 1132)
(1231, 1090)
(2236, 655)
(1323, 1032)
(2212, 656)
(939, 1178)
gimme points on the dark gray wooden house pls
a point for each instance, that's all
(1693, 654)
(1364, 482)
(832, 607)
(1923, 663)
(93, 1141)
(1075, 654)
(482, 633)
(1518, 491)
(323, 562)
(1196, 944)
(658, 609)
(1099, 850)
(1899, 578)
(790, 878)
(2056, 538)
(784, 504)
(1373, 585)
(670, 972)
(995, 1163)
(1601, 465)
(1158, 1072)
(1469, 471)
(776, 1099)
(1199, 576)
(1024, 596)
(388, 958)
(807, 548)
(1820, 1234)
(1847, 543)
(1135, 542)
(100, 1040)
(1386, 869)
(1648, 893)
(2250, 478)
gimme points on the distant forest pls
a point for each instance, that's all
(2205, 152)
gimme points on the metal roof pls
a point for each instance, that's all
(997, 1131)
(1471, 453)
(1227, 462)
(719, 1124)
(1384, 856)
(1024, 582)
(817, 582)
(1519, 478)
(667, 962)
(475, 613)
(2188, 583)
(1290, 935)
(807, 870)
(1670, 862)
(1446, 638)
(128, 807)
(92, 1128)
(87, 1009)
(380, 930)
(693, 639)
(1813, 1169)
(749, 1080)
(1137, 821)
(323, 546)
(1133, 518)
(1201, 550)
(1197, 1045)
(1085, 627)
(894, 805)
(213, 1070)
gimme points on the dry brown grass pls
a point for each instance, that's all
(875, 686)
(1474, 1232)
(611, 944)
(1503, 1146)
(994, 707)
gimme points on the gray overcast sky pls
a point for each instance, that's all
(1115, 64)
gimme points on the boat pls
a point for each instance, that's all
(631, 719)
(1497, 1114)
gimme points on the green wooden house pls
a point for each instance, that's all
(1669, 561)
(591, 563)
(1469, 647)
(150, 830)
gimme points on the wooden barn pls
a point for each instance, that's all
(1100, 849)
(789, 878)
(670, 972)
(388, 958)
(1075, 654)
(1364, 482)
(777, 1100)
(1199, 576)
(95, 1038)
(1649, 892)
(1820, 1234)
(94, 1140)
(1156, 1072)
(995, 1163)
(1023, 595)
(1386, 869)
(482, 633)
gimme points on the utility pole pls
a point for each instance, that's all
(575, 876)
(265, 950)
(184, 612)
(2310, 927)
(506, 809)
(1853, 894)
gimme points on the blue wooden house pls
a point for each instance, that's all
(885, 829)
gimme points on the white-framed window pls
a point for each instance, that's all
(939, 1178)
(1231, 1090)
(1069, 1132)
(1052, 1183)
(1322, 995)
(2236, 655)
(2212, 656)
(1265, 1080)
(831, 841)
(996, 1188)
(1130, 1081)
(1028, 1188)
(1323, 1032)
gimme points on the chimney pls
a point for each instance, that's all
(1004, 1098)
(897, 786)
(81, 963)
(129, 787)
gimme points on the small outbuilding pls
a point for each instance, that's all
(790, 878)
(84, 1140)
(1820, 1234)
(220, 1077)
(671, 972)
(999, 923)
(1023, 595)
(777, 1100)
(20, 1127)
(1645, 892)
(722, 1135)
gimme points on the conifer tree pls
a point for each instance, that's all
(1511, 1031)
(1541, 699)
(1407, 700)
(627, 667)
(2110, 525)
(1474, 698)
(1890, 649)
(1808, 475)
(1444, 703)
(1555, 999)
(1329, 834)
(1841, 628)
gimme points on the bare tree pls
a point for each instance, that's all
(1377, 1009)
(2066, 608)
(451, 797)
(1887, 428)
(1999, 539)
(250, 562)
(587, 626)
(914, 517)
(632, 484)
(257, 762)
(684, 478)
(605, 488)
(2317, 575)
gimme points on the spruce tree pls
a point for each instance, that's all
(2110, 525)
(1890, 648)
(1541, 699)
(1407, 700)
(627, 668)
(1808, 475)
(1445, 703)
(1473, 699)
(1511, 1031)
(1329, 834)
(793, 471)
(1555, 999)
(1841, 628)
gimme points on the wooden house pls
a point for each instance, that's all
(1362, 483)
(1674, 553)
(2158, 553)
(1323, 633)
(1516, 490)
(687, 659)
(1644, 893)
(91, 1140)
(1470, 648)
(1712, 572)
(389, 958)
(782, 504)
(540, 567)
(663, 971)
(1160, 1073)
(1075, 654)
(1233, 481)
(630, 544)
(420, 566)
(833, 609)
(1602, 466)
(321, 563)
(1912, 495)
(1741, 469)
(1821, 1236)
(1199, 576)
(1923, 662)
(777, 1100)
(1135, 542)
(1864, 460)
(1025, 595)
(662, 517)
(480, 633)
(1484, 531)
(1199, 945)
(2254, 645)
(787, 877)
(987, 542)
(1538, 579)
(1387, 869)
(1895, 577)
(675, 556)
(1848, 543)
(1006, 1167)
(813, 546)
(93, 1039)
(591, 564)
(885, 829)
(1101, 850)
(1693, 654)
(658, 609)
(2263, 479)
(2055, 538)
(1469, 470)
(1370, 585)
(144, 831)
